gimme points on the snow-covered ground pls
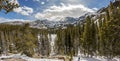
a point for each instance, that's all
(52, 43)
(93, 59)
(74, 58)
(27, 58)
(52, 38)
(32, 59)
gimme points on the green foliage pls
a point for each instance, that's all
(101, 37)
(7, 5)
(93, 37)
(68, 40)
(16, 39)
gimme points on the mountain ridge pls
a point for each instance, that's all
(63, 22)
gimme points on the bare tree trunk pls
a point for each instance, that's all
(4, 50)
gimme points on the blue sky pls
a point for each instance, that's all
(52, 9)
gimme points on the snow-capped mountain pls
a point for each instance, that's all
(16, 22)
(63, 22)
(49, 24)
(52, 24)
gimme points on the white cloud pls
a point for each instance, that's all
(14, 1)
(57, 12)
(72, 1)
(9, 20)
(84, 2)
(42, 3)
(24, 10)
(95, 9)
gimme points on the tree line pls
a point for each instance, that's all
(22, 39)
(96, 37)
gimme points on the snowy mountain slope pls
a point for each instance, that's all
(62, 22)
(47, 23)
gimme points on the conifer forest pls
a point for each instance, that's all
(99, 36)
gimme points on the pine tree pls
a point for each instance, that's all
(7, 5)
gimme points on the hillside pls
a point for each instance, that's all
(94, 36)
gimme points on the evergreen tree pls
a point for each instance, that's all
(7, 5)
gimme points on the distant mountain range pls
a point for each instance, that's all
(49, 24)
(63, 22)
